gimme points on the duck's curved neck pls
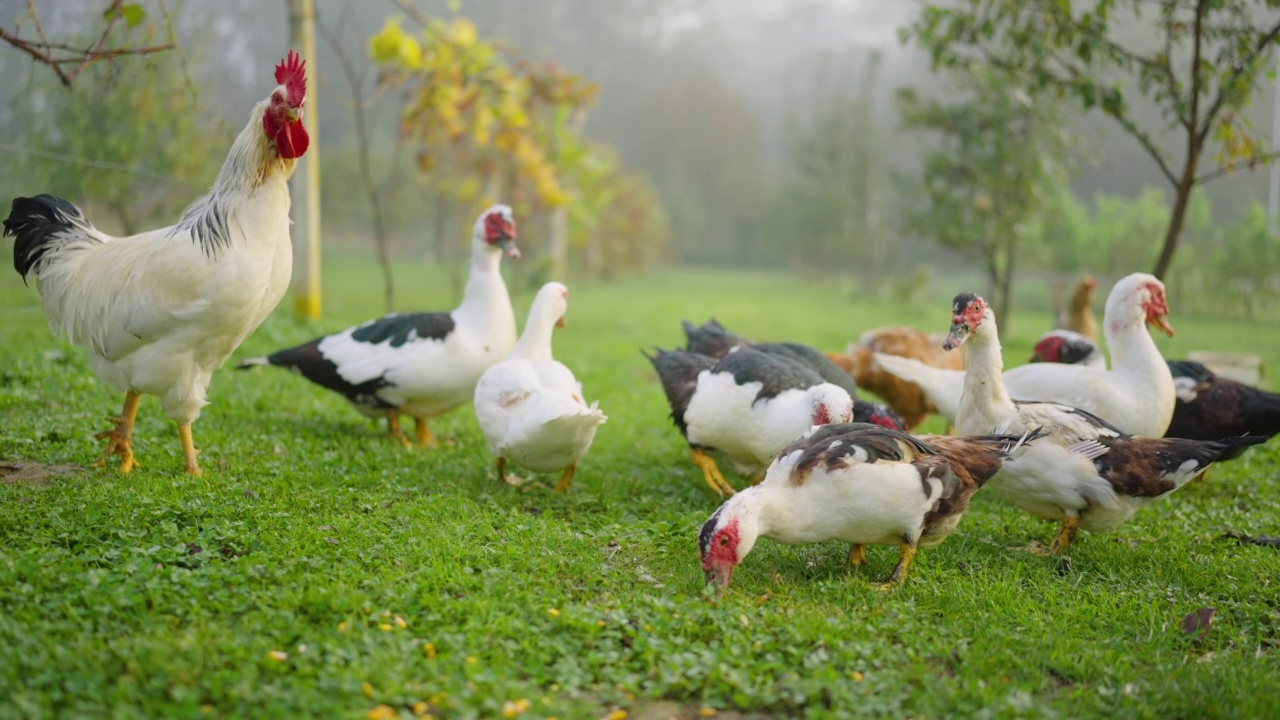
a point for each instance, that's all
(535, 341)
(1133, 351)
(985, 402)
(485, 299)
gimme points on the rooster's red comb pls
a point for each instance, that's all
(292, 74)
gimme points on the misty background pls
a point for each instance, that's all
(761, 126)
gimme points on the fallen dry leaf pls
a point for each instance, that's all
(1263, 540)
(34, 473)
(1200, 620)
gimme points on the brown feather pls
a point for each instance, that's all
(904, 397)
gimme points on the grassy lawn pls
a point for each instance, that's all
(317, 569)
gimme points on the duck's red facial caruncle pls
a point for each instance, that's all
(821, 416)
(500, 230)
(1157, 308)
(1048, 350)
(967, 312)
(719, 550)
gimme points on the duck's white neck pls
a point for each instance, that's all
(985, 404)
(535, 341)
(485, 300)
(1133, 351)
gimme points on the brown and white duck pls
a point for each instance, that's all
(746, 406)
(1085, 473)
(859, 483)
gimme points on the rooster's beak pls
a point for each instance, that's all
(293, 114)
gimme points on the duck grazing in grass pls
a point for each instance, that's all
(1085, 473)
(747, 406)
(859, 483)
(1207, 407)
(420, 364)
(711, 338)
(529, 406)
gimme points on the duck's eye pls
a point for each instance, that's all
(724, 540)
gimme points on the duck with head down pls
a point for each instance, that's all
(744, 407)
(859, 483)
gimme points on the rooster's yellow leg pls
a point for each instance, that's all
(566, 478)
(1066, 533)
(711, 473)
(421, 433)
(907, 551)
(188, 449)
(393, 428)
(857, 555)
(120, 438)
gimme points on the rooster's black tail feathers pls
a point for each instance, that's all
(38, 224)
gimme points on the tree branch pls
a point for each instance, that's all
(1195, 141)
(412, 11)
(1234, 165)
(43, 50)
(1245, 64)
(1128, 124)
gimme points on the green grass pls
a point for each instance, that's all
(159, 595)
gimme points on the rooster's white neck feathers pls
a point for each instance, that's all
(251, 163)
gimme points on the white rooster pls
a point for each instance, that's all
(160, 311)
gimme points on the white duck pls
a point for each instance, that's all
(859, 483)
(420, 364)
(1085, 472)
(530, 407)
(747, 406)
(1136, 394)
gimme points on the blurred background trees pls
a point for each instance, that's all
(997, 146)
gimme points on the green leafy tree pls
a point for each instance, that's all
(67, 60)
(830, 209)
(132, 141)
(1197, 61)
(999, 158)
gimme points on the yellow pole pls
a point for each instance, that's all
(306, 285)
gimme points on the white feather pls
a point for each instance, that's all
(529, 406)
(726, 416)
(156, 311)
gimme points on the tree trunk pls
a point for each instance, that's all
(1181, 198)
(558, 245)
(993, 281)
(1006, 287)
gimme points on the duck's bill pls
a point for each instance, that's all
(718, 576)
(1162, 322)
(959, 333)
(509, 248)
